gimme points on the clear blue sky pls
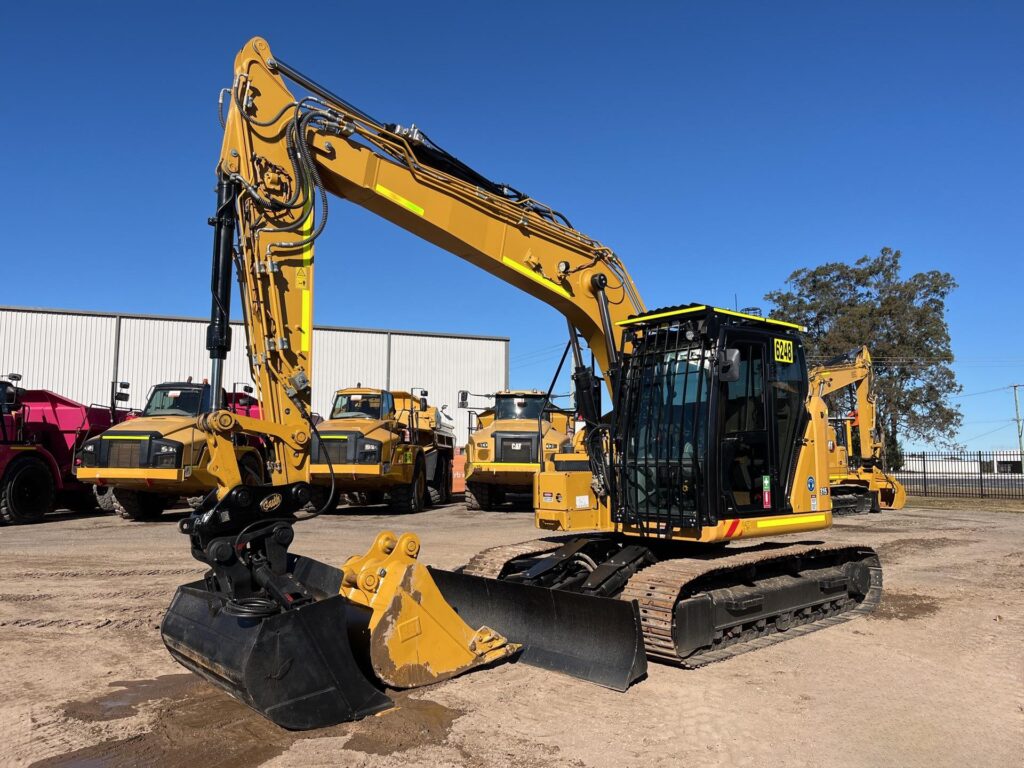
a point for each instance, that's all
(716, 146)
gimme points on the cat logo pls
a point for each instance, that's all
(783, 351)
(272, 502)
(517, 446)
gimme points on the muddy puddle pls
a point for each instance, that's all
(197, 724)
(904, 606)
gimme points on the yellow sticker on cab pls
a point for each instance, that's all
(783, 351)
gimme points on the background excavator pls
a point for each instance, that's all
(713, 436)
(857, 478)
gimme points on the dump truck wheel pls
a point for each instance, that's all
(406, 499)
(320, 499)
(104, 498)
(138, 505)
(82, 502)
(436, 496)
(28, 492)
(479, 497)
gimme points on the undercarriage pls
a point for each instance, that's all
(699, 604)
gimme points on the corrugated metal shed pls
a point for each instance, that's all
(78, 354)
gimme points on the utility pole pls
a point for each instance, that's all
(1020, 427)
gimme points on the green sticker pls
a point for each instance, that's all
(766, 483)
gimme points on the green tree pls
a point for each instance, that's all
(903, 323)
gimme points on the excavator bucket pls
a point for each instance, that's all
(301, 669)
(598, 639)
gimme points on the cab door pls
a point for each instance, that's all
(747, 463)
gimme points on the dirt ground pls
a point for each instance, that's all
(934, 678)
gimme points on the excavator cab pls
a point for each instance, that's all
(707, 412)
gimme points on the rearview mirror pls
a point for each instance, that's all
(14, 376)
(463, 398)
(123, 384)
(121, 397)
(423, 404)
(247, 389)
(729, 365)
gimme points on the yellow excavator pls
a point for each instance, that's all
(713, 437)
(857, 483)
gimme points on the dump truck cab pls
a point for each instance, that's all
(506, 444)
(378, 444)
(153, 459)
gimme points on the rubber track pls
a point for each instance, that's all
(658, 587)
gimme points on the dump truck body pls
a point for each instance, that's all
(154, 459)
(379, 442)
(40, 433)
(505, 451)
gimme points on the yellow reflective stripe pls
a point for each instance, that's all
(125, 437)
(334, 437)
(506, 465)
(22, 448)
(762, 319)
(688, 310)
(660, 315)
(522, 269)
(783, 521)
(306, 331)
(394, 197)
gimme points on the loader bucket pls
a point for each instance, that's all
(598, 639)
(301, 669)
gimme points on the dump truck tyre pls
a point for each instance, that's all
(407, 499)
(440, 491)
(479, 497)
(446, 486)
(104, 498)
(28, 492)
(138, 505)
(320, 498)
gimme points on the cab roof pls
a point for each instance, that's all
(704, 310)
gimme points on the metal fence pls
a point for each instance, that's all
(971, 474)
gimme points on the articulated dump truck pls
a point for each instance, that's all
(142, 465)
(506, 449)
(380, 444)
(714, 438)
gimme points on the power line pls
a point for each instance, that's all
(985, 391)
(986, 434)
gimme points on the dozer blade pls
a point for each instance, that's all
(598, 639)
(300, 668)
